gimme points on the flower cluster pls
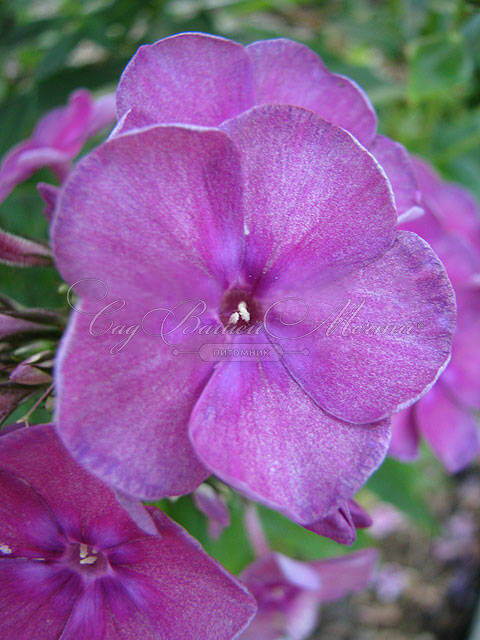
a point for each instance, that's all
(255, 295)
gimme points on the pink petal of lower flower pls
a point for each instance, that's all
(173, 580)
(21, 504)
(36, 598)
(81, 505)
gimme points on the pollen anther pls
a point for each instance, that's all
(244, 313)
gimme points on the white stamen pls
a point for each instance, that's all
(88, 560)
(244, 313)
(246, 230)
(83, 550)
(5, 549)
(234, 318)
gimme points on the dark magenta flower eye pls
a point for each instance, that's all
(68, 548)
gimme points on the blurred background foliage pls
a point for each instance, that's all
(418, 60)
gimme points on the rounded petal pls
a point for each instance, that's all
(375, 340)
(82, 506)
(153, 211)
(66, 128)
(287, 72)
(454, 206)
(450, 429)
(192, 78)
(463, 372)
(397, 165)
(179, 590)
(256, 429)
(345, 574)
(314, 199)
(124, 414)
(36, 598)
(28, 528)
(405, 439)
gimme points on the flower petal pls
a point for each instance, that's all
(342, 523)
(397, 165)
(26, 158)
(256, 429)
(452, 204)
(463, 372)
(85, 509)
(184, 593)
(28, 528)
(288, 72)
(314, 199)
(124, 415)
(376, 339)
(36, 598)
(66, 128)
(50, 195)
(450, 429)
(405, 439)
(345, 574)
(192, 78)
(154, 211)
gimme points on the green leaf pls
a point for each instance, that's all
(232, 549)
(440, 68)
(401, 485)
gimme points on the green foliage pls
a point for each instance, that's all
(232, 548)
(403, 486)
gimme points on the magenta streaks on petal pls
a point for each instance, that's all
(97, 574)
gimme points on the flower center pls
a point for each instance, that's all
(87, 555)
(238, 308)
